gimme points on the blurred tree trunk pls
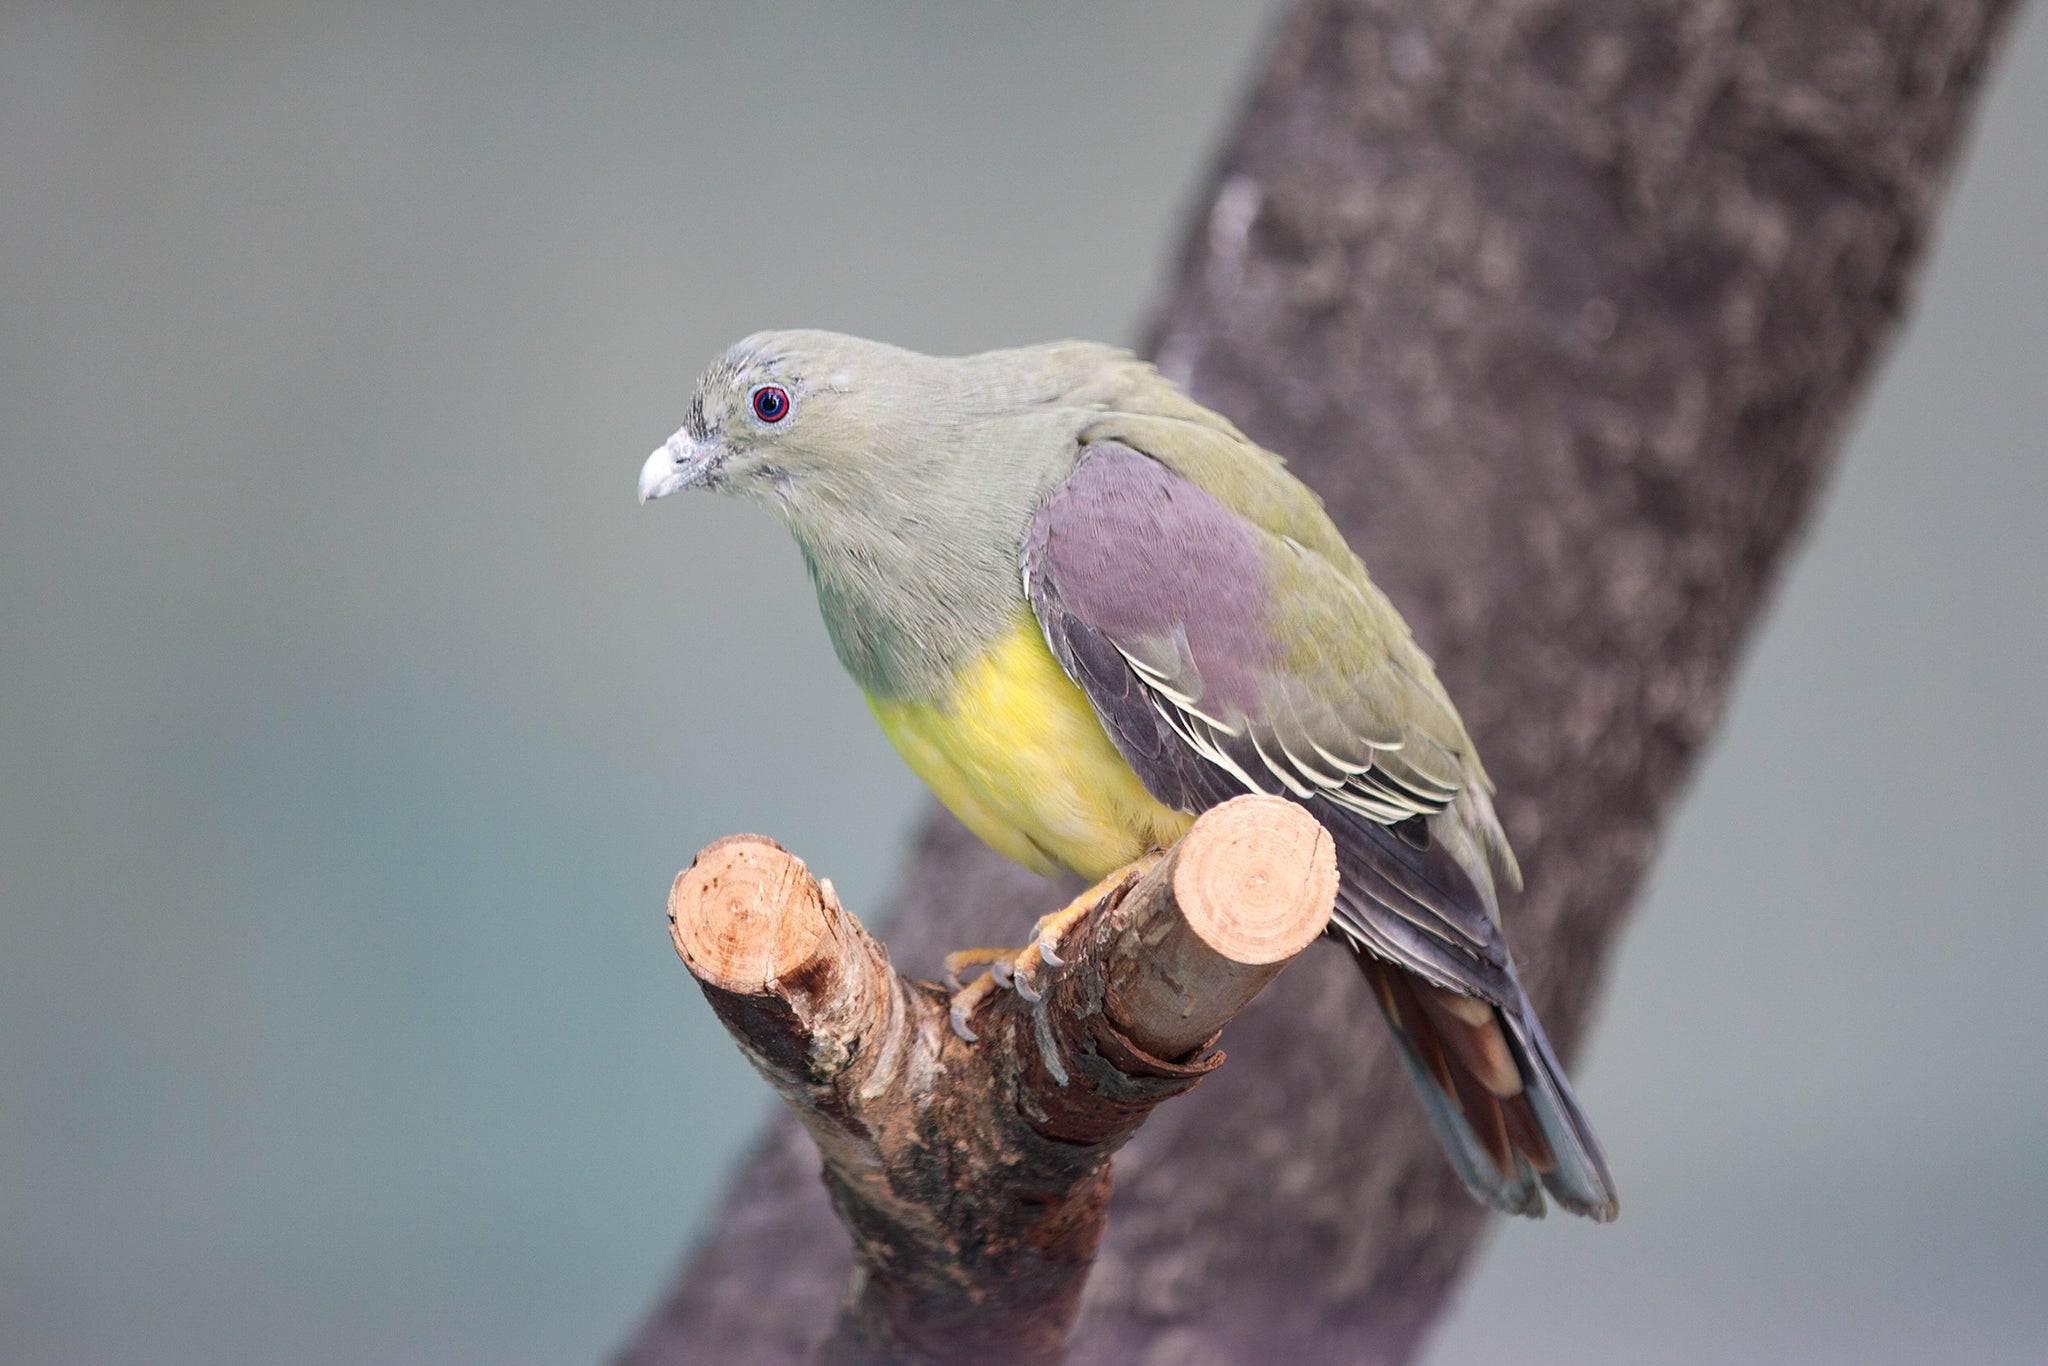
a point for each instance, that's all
(1562, 305)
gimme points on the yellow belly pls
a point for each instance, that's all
(1018, 755)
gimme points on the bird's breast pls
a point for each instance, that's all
(1013, 749)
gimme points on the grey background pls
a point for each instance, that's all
(353, 718)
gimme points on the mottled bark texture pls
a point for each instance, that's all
(1562, 305)
(973, 1174)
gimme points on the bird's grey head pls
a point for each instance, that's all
(783, 411)
(908, 481)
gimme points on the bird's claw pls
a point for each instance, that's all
(964, 1003)
(1000, 970)
(1018, 969)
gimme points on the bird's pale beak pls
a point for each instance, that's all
(679, 463)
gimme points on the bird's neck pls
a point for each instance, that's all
(918, 577)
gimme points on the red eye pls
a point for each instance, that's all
(771, 403)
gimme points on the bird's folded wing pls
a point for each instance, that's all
(1223, 657)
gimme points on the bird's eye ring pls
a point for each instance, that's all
(771, 402)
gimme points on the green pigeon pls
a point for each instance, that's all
(1085, 608)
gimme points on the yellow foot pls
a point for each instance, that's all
(1017, 969)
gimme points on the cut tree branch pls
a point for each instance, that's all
(973, 1177)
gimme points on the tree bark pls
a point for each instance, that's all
(1562, 306)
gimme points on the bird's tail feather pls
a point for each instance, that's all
(1495, 1095)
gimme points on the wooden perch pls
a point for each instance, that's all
(973, 1177)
